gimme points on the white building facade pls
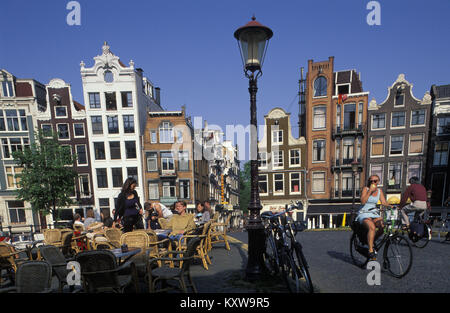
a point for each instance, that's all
(117, 99)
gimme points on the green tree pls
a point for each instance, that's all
(245, 182)
(48, 179)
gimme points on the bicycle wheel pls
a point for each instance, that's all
(270, 254)
(358, 252)
(289, 272)
(302, 268)
(422, 242)
(397, 256)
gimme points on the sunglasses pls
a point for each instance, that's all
(373, 181)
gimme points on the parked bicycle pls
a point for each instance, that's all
(283, 253)
(397, 252)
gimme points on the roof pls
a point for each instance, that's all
(442, 91)
(348, 77)
(78, 106)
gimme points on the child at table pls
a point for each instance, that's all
(154, 224)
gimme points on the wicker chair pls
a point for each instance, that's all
(32, 277)
(166, 273)
(113, 235)
(9, 259)
(216, 233)
(138, 239)
(58, 262)
(202, 248)
(156, 247)
(163, 222)
(100, 273)
(52, 237)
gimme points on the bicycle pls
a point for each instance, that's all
(283, 254)
(418, 240)
(397, 253)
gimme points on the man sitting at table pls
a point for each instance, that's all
(180, 223)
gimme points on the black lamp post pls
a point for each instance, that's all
(355, 169)
(252, 40)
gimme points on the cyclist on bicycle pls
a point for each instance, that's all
(368, 215)
(418, 195)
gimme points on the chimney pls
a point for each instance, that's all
(158, 95)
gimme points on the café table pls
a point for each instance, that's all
(125, 254)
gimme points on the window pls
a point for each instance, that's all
(78, 130)
(113, 124)
(130, 148)
(360, 113)
(396, 145)
(318, 182)
(443, 125)
(108, 76)
(377, 146)
(294, 183)
(414, 170)
(103, 204)
(83, 180)
(347, 184)
(262, 181)
(99, 150)
(418, 117)
(350, 116)
(166, 132)
(319, 121)
(127, 99)
(47, 130)
(2, 121)
(97, 126)
(12, 120)
(153, 138)
(16, 212)
(183, 160)
(9, 145)
(338, 116)
(395, 175)
(277, 137)
(152, 161)
(398, 119)
(278, 184)
(416, 144)
(133, 172)
(102, 178)
(399, 99)
(343, 89)
(167, 163)
(63, 131)
(184, 189)
(379, 121)
(440, 154)
(169, 189)
(94, 100)
(318, 150)
(179, 136)
(128, 123)
(277, 157)
(294, 159)
(7, 88)
(110, 98)
(338, 151)
(60, 111)
(377, 169)
(348, 149)
(11, 179)
(114, 150)
(117, 176)
(81, 154)
(320, 86)
(262, 159)
(153, 191)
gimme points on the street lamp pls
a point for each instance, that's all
(355, 166)
(252, 41)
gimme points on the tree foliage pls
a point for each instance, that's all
(47, 180)
(245, 186)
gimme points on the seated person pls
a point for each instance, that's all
(203, 214)
(77, 221)
(368, 215)
(153, 222)
(90, 218)
(180, 223)
(163, 211)
(108, 221)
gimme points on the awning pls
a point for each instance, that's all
(330, 208)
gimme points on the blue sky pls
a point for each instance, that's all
(187, 47)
